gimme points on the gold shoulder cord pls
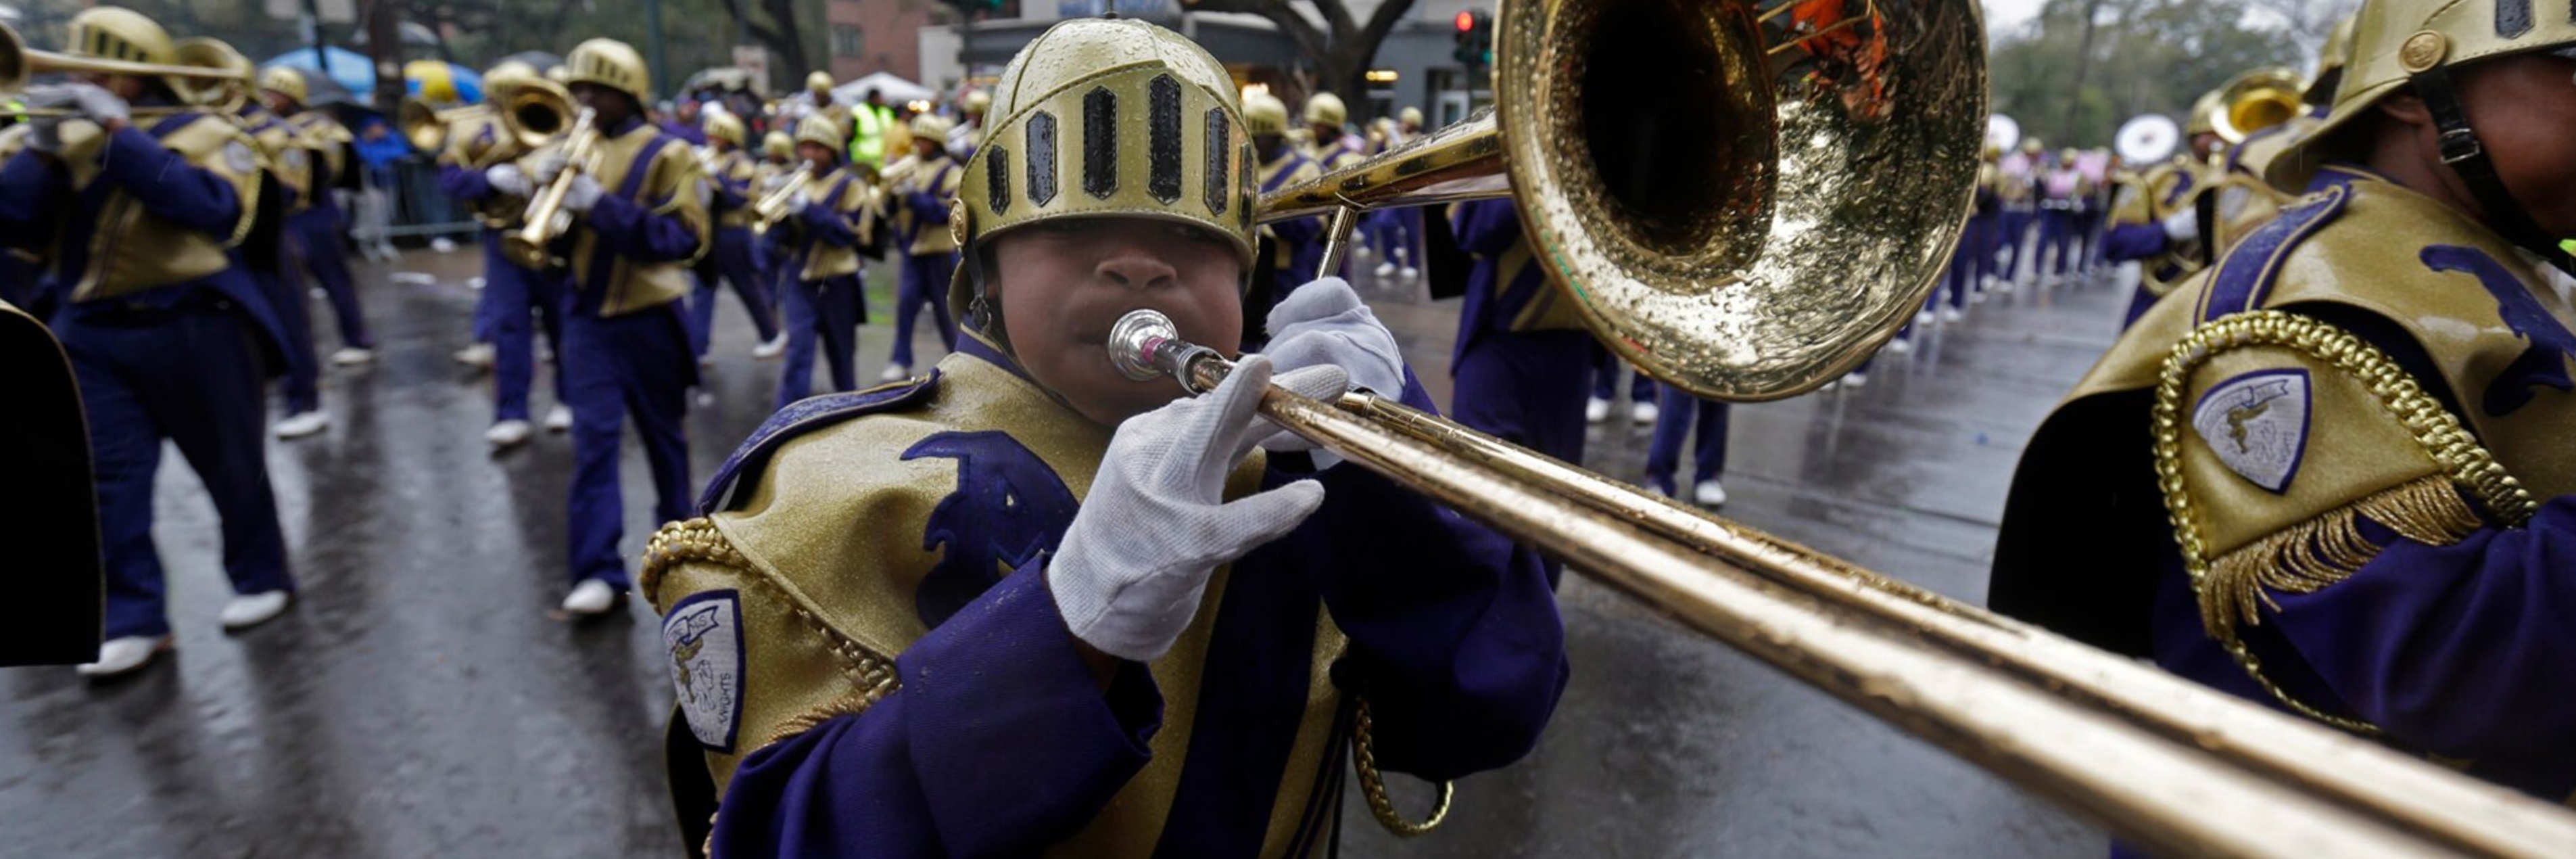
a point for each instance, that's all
(2304, 559)
(1373, 784)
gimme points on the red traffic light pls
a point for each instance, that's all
(1466, 20)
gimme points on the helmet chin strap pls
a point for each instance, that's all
(2468, 158)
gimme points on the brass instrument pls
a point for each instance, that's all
(1770, 268)
(775, 207)
(425, 127)
(2257, 100)
(200, 85)
(545, 219)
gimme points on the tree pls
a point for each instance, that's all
(1340, 47)
(2148, 56)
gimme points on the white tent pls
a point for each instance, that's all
(893, 90)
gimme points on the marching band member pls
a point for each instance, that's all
(167, 335)
(819, 100)
(2356, 500)
(1332, 146)
(1642, 408)
(479, 168)
(265, 255)
(639, 222)
(969, 132)
(2062, 192)
(2019, 191)
(2094, 215)
(921, 228)
(834, 220)
(1051, 551)
(2157, 220)
(1681, 411)
(1288, 251)
(737, 258)
(314, 225)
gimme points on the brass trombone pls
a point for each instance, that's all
(545, 218)
(1755, 261)
(200, 82)
(533, 112)
(2256, 100)
(773, 208)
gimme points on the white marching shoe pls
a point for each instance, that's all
(706, 399)
(895, 373)
(1409, 272)
(1596, 410)
(351, 356)
(244, 611)
(1856, 379)
(120, 655)
(507, 433)
(771, 348)
(1899, 346)
(477, 355)
(1643, 413)
(1708, 493)
(302, 424)
(559, 418)
(1952, 314)
(1386, 268)
(1922, 317)
(591, 597)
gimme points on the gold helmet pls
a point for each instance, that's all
(777, 144)
(1326, 109)
(930, 126)
(1264, 113)
(722, 126)
(2330, 62)
(2204, 114)
(975, 103)
(112, 33)
(2066, 157)
(818, 128)
(819, 82)
(2414, 44)
(284, 81)
(2032, 146)
(507, 72)
(1410, 116)
(612, 64)
(1107, 116)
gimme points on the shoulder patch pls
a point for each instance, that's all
(2244, 279)
(739, 473)
(2257, 424)
(239, 157)
(704, 636)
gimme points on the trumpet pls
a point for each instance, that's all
(774, 207)
(200, 82)
(1757, 263)
(545, 218)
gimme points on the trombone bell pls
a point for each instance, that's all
(2257, 100)
(1745, 202)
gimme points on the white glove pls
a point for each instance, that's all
(1324, 324)
(774, 183)
(1128, 573)
(549, 166)
(583, 194)
(46, 135)
(797, 202)
(507, 179)
(2183, 226)
(97, 103)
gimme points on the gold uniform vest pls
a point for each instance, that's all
(825, 606)
(328, 144)
(132, 250)
(1286, 170)
(670, 186)
(843, 191)
(2279, 429)
(2147, 198)
(736, 167)
(477, 141)
(281, 149)
(939, 176)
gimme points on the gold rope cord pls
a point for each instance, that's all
(1373, 784)
(2325, 550)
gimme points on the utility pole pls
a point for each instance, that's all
(384, 48)
(659, 57)
(313, 36)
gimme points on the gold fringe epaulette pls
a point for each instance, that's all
(2311, 555)
(2307, 557)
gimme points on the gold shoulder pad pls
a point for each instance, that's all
(2274, 433)
(217, 145)
(753, 658)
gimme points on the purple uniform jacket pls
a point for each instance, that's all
(1488, 229)
(629, 229)
(1000, 741)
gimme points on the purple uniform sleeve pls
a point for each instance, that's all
(28, 188)
(998, 743)
(831, 226)
(1487, 227)
(928, 208)
(730, 194)
(636, 233)
(1455, 640)
(2133, 242)
(168, 186)
(462, 184)
(2463, 650)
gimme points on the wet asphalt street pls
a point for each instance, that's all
(423, 699)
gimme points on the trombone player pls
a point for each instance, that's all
(922, 187)
(732, 181)
(313, 222)
(823, 217)
(167, 333)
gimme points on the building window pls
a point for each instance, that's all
(848, 40)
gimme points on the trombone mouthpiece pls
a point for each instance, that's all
(1145, 346)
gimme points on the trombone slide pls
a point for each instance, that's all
(545, 217)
